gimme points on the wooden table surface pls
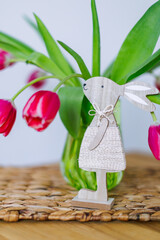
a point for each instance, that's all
(30, 230)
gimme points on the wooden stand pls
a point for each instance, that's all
(92, 204)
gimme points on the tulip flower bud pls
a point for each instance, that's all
(37, 74)
(7, 116)
(154, 140)
(41, 109)
(4, 59)
(157, 82)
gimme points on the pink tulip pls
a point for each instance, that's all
(41, 109)
(157, 84)
(7, 116)
(37, 74)
(154, 140)
(4, 59)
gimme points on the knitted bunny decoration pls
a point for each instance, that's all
(101, 149)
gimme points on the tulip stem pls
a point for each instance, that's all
(62, 81)
(31, 83)
(154, 117)
(13, 60)
(65, 79)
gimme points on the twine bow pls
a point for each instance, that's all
(105, 113)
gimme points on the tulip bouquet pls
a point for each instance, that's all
(135, 58)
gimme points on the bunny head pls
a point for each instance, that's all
(102, 91)
(136, 93)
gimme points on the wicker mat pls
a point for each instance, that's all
(41, 194)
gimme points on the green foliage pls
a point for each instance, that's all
(134, 58)
(22, 47)
(154, 98)
(45, 63)
(31, 23)
(146, 66)
(108, 70)
(79, 60)
(13, 50)
(23, 52)
(52, 48)
(96, 41)
(138, 45)
(86, 106)
(70, 110)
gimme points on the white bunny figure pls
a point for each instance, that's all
(101, 149)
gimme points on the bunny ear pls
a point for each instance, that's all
(136, 93)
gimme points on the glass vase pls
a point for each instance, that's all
(77, 177)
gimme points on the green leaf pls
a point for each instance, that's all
(154, 98)
(16, 43)
(146, 66)
(45, 63)
(78, 59)
(151, 63)
(86, 106)
(70, 110)
(96, 41)
(154, 67)
(13, 50)
(108, 70)
(138, 45)
(31, 23)
(52, 48)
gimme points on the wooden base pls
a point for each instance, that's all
(80, 203)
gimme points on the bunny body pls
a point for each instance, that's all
(103, 134)
(108, 155)
(101, 149)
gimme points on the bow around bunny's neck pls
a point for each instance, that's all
(105, 113)
(105, 117)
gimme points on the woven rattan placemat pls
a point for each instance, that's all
(41, 194)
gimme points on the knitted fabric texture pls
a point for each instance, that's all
(108, 155)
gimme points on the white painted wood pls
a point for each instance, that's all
(101, 194)
(102, 150)
(137, 87)
(135, 98)
(136, 93)
(102, 91)
(91, 204)
(100, 134)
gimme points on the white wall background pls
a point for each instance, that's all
(69, 21)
